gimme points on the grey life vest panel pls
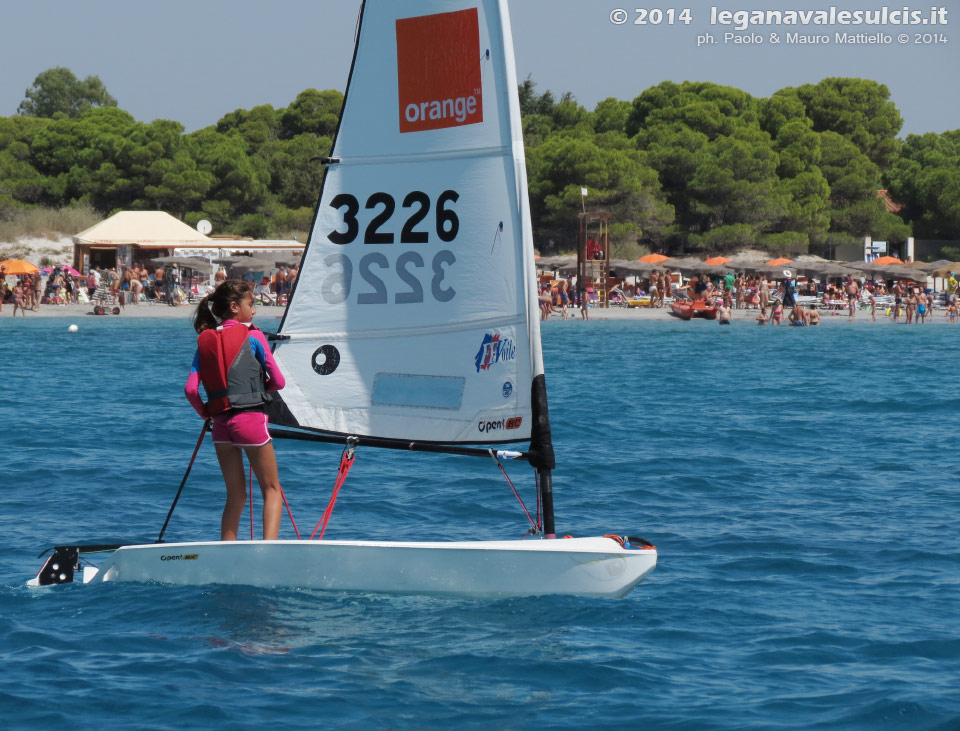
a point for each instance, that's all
(246, 383)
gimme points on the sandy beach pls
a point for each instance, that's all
(152, 310)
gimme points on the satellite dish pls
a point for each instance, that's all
(204, 226)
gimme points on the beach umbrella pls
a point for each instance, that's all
(254, 265)
(18, 266)
(685, 264)
(885, 260)
(828, 268)
(780, 262)
(653, 258)
(717, 260)
(70, 270)
(625, 266)
(942, 265)
(945, 272)
(286, 260)
(231, 259)
(892, 271)
(188, 262)
(556, 261)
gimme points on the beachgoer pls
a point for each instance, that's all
(787, 288)
(19, 300)
(813, 317)
(897, 300)
(921, 307)
(764, 287)
(853, 294)
(667, 289)
(584, 305)
(911, 306)
(724, 313)
(952, 311)
(239, 417)
(797, 317)
(873, 308)
(729, 282)
(762, 317)
(701, 287)
(777, 313)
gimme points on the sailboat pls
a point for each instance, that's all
(414, 325)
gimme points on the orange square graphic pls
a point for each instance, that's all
(438, 71)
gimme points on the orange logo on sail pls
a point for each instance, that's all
(438, 71)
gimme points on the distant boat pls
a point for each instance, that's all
(687, 309)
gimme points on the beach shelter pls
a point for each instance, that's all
(653, 258)
(781, 261)
(18, 266)
(717, 261)
(130, 236)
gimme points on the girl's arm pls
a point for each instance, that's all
(275, 379)
(192, 388)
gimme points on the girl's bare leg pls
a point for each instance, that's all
(231, 465)
(264, 463)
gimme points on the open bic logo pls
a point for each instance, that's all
(438, 71)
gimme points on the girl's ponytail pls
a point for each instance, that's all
(215, 307)
(203, 318)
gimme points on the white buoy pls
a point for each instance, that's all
(72, 328)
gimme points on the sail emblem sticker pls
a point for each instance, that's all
(494, 349)
(438, 71)
(325, 360)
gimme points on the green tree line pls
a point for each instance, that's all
(683, 167)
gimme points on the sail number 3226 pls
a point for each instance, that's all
(372, 267)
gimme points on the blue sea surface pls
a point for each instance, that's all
(801, 485)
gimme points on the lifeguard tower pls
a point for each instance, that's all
(593, 257)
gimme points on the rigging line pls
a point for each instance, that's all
(459, 154)
(496, 458)
(203, 431)
(292, 521)
(346, 462)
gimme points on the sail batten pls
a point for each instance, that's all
(405, 332)
(424, 156)
(415, 313)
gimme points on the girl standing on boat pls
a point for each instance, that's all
(237, 369)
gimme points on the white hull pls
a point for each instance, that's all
(597, 567)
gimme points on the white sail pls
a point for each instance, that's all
(415, 314)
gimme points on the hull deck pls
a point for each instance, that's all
(597, 567)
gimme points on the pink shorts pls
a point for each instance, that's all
(241, 429)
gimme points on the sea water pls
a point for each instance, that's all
(801, 485)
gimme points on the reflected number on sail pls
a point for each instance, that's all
(409, 266)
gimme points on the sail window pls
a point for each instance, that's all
(424, 392)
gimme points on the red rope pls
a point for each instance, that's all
(251, 501)
(346, 462)
(517, 495)
(292, 521)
